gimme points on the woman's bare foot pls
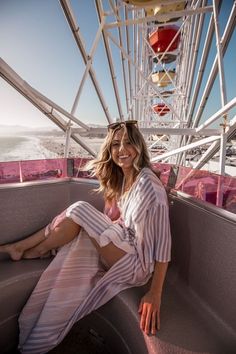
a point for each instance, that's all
(36, 252)
(13, 250)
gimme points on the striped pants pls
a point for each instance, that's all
(69, 288)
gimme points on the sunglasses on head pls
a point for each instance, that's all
(116, 125)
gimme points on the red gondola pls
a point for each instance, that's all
(161, 109)
(161, 38)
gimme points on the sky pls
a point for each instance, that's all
(35, 40)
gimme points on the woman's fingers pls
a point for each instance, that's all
(150, 319)
(143, 317)
(154, 322)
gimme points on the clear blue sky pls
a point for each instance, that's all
(36, 42)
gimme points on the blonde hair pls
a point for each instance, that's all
(108, 173)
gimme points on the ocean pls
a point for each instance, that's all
(20, 146)
(15, 148)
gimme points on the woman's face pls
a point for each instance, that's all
(123, 152)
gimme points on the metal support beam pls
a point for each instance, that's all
(160, 18)
(185, 148)
(76, 33)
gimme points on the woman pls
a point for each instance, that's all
(98, 257)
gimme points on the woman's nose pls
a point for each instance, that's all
(122, 147)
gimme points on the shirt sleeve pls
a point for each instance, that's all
(157, 234)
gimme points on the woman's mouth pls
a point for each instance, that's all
(123, 157)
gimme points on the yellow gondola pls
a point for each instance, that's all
(162, 79)
(142, 3)
(165, 9)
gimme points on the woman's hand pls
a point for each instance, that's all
(149, 310)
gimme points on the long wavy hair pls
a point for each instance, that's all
(108, 173)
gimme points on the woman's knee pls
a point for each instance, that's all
(81, 204)
(68, 226)
(80, 208)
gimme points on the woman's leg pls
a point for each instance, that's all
(95, 224)
(110, 253)
(67, 229)
(17, 249)
(39, 244)
(64, 232)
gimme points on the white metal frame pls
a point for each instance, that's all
(181, 125)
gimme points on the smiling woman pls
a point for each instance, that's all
(98, 257)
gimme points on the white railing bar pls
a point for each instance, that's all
(185, 148)
(155, 130)
(159, 18)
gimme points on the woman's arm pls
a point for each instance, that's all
(150, 304)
